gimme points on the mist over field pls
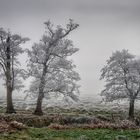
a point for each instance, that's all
(105, 26)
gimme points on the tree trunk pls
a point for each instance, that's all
(38, 110)
(131, 109)
(10, 107)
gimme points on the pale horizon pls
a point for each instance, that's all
(105, 26)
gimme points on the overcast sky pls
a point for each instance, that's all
(105, 26)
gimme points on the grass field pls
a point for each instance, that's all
(72, 134)
(69, 117)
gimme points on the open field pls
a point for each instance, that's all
(70, 125)
(83, 122)
(74, 134)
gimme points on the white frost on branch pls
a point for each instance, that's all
(122, 77)
(50, 66)
(16, 73)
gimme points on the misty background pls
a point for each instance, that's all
(105, 26)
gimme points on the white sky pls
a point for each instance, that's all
(105, 26)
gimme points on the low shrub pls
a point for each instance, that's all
(125, 124)
(59, 126)
(76, 120)
(29, 120)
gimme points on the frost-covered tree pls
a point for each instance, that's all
(50, 66)
(9, 64)
(122, 77)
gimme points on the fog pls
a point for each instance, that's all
(105, 26)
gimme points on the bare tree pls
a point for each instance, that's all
(9, 64)
(50, 66)
(122, 77)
